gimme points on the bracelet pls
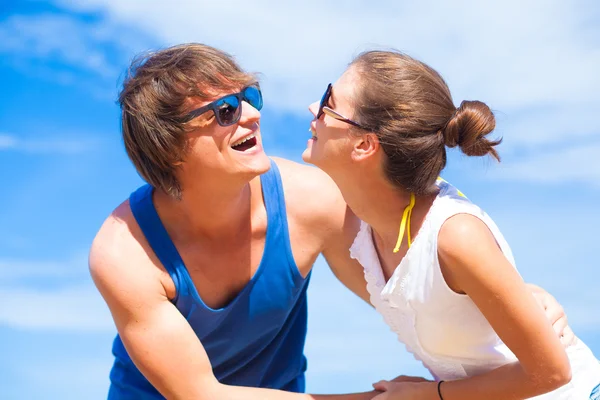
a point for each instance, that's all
(439, 390)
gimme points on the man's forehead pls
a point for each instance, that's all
(206, 95)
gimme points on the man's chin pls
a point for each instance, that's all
(262, 164)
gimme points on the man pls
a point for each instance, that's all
(205, 269)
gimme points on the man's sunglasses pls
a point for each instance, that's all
(228, 109)
(325, 109)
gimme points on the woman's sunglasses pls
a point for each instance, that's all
(325, 109)
(228, 109)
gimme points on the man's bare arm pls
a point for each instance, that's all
(157, 337)
(317, 210)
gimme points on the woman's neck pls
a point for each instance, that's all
(381, 205)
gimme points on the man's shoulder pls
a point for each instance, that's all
(308, 189)
(313, 199)
(121, 260)
(124, 268)
(114, 239)
(120, 247)
(306, 179)
(293, 168)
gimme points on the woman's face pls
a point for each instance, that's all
(331, 143)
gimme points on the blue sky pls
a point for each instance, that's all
(64, 169)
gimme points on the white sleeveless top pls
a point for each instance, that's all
(441, 328)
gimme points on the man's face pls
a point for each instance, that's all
(224, 151)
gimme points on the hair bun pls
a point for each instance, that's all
(467, 128)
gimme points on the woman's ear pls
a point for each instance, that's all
(365, 147)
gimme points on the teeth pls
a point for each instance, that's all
(251, 136)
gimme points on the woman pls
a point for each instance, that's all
(437, 267)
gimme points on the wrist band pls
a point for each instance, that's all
(439, 390)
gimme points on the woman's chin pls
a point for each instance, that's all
(306, 156)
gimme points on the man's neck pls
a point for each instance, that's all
(213, 211)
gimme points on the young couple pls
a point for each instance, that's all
(205, 268)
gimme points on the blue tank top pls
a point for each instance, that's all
(258, 338)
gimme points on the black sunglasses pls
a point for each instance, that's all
(325, 109)
(228, 109)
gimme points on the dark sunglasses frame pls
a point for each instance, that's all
(324, 109)
(212, 106)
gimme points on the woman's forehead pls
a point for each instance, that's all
(344, 88)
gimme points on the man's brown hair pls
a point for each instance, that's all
(153, 103)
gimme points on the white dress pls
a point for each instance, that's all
(443, 329)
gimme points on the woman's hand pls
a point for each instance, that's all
(406, 390)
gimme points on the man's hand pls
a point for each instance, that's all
(402, 386)
(406, 378)
(405, 390)
(555, 314)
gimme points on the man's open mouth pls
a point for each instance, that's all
(245, 144)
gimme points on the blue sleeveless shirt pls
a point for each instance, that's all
(258, 338)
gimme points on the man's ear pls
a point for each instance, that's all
(365, 146)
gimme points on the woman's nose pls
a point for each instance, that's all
(314, 108)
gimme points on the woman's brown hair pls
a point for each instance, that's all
(408, 106)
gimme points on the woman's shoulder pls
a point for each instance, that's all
(452, 201)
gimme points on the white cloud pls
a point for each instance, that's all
(7, 142)
(51, 379)
(532, 127)
(533, 62)
(55, 37)
(18, 269)
(514, 55)
(51, 295)
(52, 146)
(73, 308)
(572, 164)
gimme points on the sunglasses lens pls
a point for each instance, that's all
(254, 97)
(324, 100)
(228, 110)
